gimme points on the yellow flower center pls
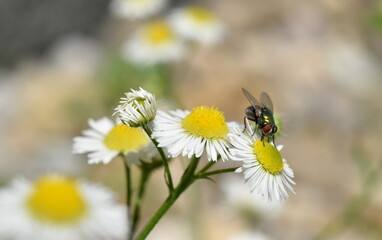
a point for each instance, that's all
(158, 32)
(268, 156)
(125, 139)
(199, 14)
(56, 199)
(205, 122)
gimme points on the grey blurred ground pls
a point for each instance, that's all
(29, 27)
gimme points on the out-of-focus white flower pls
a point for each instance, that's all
(351, 66)
(60, 208)
(136, 9)
(156, 42)
(198, 24)
(264, 168)
(250, 235)
(192, 133)
(137, 108)
(106, 139)
(239, 199)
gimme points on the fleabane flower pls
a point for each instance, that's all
(60, 208)
(137, 108)
(107, 139)
(197, 24)
(156, 42)
(263, 166)
(191, 133)
(136, 9)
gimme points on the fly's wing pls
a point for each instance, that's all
(266, 101)
(256, 104)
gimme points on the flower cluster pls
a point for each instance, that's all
(203, 131)
(56, 206)
(189, 134)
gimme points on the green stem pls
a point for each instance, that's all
(186, 181)
(190, 170)
(168, 177)
(206, 174)
(128, 187)
(137, 210)
(161, 211)
(128, 182)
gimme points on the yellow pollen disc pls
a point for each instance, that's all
(124, 138)
(158, 32)
(199, 14)
(269, 157)
(56, 199)
(205, 122)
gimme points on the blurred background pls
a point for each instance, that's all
(320, 61)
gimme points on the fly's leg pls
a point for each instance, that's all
(273, 140)
(245, 123)
(255, 130)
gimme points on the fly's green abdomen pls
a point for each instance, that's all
(267, 117)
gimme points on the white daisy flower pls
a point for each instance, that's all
(264, 168)
(156, 42)
(136, 9)
(106, 139)
(136, 108)
(60, 208)
(190, 133)
(198, 24)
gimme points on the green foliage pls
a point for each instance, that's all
(376, 21)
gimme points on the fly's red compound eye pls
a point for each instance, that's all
(267, 128)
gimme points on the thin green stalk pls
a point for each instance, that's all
(168, 177)
(128, 182)
(186, 180)
(128, 188)
(162, 210)
(206, 174)
(190, 170)
(137, 210)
